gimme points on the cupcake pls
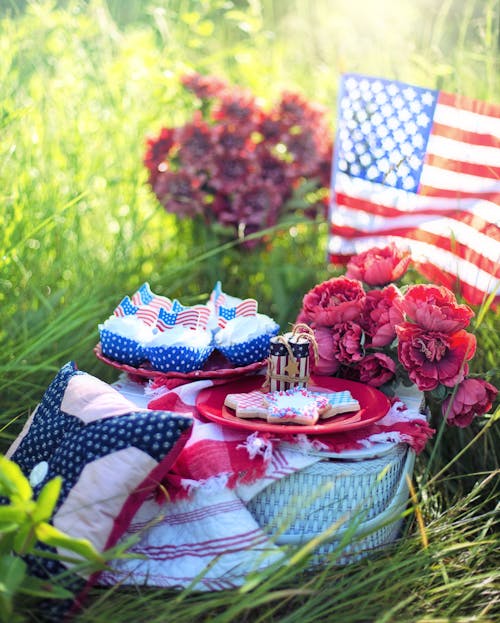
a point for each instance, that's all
(180, 349)
(124, 339)
(246, 339)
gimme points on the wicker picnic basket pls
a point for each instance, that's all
(333, 493)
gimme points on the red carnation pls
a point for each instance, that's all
(432, 358)
(380, 316)
(379, 266)
(473, 398)
(333, 301)
(376, 369)
(346, 342)
(435, 308)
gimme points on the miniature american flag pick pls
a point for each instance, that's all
(248, 307)
(144, 296)
(125, 308)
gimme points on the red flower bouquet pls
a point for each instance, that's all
(237, 164)
(385, 335)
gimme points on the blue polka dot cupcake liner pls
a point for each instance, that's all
(178, 358)
(249, 352)
(122, 349)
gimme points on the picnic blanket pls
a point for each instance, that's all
(203, 536)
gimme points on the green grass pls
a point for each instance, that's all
(83, 83)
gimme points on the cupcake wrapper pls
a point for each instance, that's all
(178, 358)
(249, 352)
(122, 349)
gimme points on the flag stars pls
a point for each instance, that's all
(423, 120)
(409, 94)
(427, 98)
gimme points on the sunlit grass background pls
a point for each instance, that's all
(82, 85)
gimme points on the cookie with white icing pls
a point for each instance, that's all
(247, 405)
(295, 406)
(339, 402)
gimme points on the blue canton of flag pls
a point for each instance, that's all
(166, 318)
(228, 313)
(125, 308)
(143, 296)
(177, 307)
(383, 131)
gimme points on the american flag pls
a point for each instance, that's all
(195, 317)
(125, 308)
(420, 168)
(217, 296)
(247, 307)
(144, 296)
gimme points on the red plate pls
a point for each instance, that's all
(374, 405)
(216, 367)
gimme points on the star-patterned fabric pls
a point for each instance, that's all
(383, 130)
(111, 456)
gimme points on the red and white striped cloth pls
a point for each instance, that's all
(204, 534)
(420, 168)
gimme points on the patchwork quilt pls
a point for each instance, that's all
(111, 456)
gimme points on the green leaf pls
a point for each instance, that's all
(10, 514)
(13, 483)
(36, 587)
(47, 500)
(24, 539)
(50, 535)
(12, 574)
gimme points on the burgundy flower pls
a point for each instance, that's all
(346, 339)
(473, 398)
(239, 108)
(203, 86)
(333, 301)
(379, 266)
(271, 128)
(294, 110)
(327, 363)
(179, 193)
(230, 140)
(256, 207)
(376, 369)
(380, 316)
(195, 145)
(435, 308)
(157, 150)
(236, 163)
(273, 169)
(432, 358)
(303, 152)
(230, 174)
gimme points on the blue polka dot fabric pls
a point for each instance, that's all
(246, 353)
(122, 349)
(124, 455)
(178, 358)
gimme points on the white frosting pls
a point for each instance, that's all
(244, 328)
(129, 326)
(179, 335)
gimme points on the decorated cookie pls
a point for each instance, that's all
(295, 406)
(247, 405)
(339, 402)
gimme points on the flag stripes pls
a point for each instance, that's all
(420, 168)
